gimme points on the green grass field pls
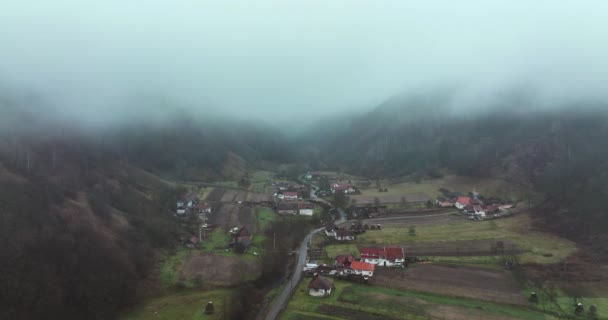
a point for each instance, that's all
(260, 180)
(189, 304)
(361, 299)
(486, 186)
(264, 217)
(544, 248)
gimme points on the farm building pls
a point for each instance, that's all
(444, 202)
(288, 195)
(341, 187)
(319, 286)
(343, 260)
(287, 208)
(385, 256)
(306, 209)
(462, 202)
(344, 235)
(362, 268)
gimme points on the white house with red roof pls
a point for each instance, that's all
(462, 202)
(383, 256)
(363, 269)
(341, 187)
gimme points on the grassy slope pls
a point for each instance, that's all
(183, 305)
(518, 229)
(393, 303)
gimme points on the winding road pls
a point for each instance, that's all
(283, 298)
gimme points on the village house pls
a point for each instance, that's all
(345, 235)
(330, 230)
(306, 209)
(319, 286)
(343, 260)
(288, 195)
(444, 202)
(385, 256)
(363, 269)
(341, 187)
(243, 237)
(202, 208)
(287, 208)
(462, 202)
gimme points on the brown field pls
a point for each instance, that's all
(230, 195)
(476, 283)
(258, 197)
(215, 195)
(221, 270)
(230, 214)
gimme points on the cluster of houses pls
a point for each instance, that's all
(346, 265)
(191, 205)
(337, 187)
(289, 199)
(472, 206)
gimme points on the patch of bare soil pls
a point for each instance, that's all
(215, 195)
(229, 195)
(477, 283)
(230, 215)
(459, 313)
(220, 270)
(258, 197)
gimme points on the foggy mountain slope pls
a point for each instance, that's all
(558, 151)
(77, 235)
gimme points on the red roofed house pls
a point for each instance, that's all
(362, 268)
(386, 257)
(462, 202)
(344, 260)
(341, 187)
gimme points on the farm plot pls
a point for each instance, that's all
(230, 196)
(258, 197)
(417, 197)
(476, 283)
(231, 214)
(220, 270)
(482, 247)
(417, 220)
(215, 195)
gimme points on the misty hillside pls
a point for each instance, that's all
(78, 230)
(538, 149)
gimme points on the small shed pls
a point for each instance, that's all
(319, 286)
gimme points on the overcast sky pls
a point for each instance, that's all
(108, 59)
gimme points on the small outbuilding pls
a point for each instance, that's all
(319, 286)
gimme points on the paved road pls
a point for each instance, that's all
(283, 298)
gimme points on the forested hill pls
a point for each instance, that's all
(559, 150)
(81, 215)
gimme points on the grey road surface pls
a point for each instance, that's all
(283, 298)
